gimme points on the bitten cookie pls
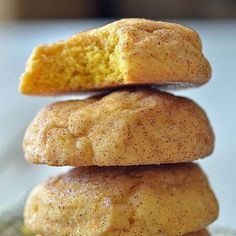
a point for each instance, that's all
(122, 201)
(128, 51)
(129, 127)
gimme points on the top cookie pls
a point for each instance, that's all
(128, 51)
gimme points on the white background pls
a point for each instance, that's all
(218, 98)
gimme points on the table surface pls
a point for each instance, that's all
(218, 98)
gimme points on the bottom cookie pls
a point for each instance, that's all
(111, 201)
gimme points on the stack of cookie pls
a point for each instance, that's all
(132, 145)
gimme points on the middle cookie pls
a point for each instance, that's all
(129, 127)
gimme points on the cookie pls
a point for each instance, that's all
(129, 127)
(125, 52)
(119, 201)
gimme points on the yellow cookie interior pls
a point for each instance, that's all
(88, 61)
